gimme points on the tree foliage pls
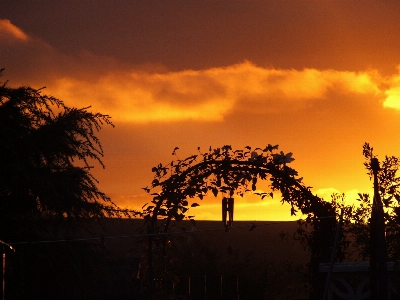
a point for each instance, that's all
(46, 154)
(358, 218)
(355, 235)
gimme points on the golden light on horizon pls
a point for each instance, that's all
(248, 207)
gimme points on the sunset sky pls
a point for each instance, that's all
(317, 77)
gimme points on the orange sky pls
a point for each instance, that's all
(319, 78)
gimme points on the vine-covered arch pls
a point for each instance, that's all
(235, 172)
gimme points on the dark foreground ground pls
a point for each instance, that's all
(262, 243)
(207, 263)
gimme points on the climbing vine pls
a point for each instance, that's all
(224, 170)
(231, 172)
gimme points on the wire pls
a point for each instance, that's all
(253, 225)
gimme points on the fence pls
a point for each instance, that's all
(204, 287)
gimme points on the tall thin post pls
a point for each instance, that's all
(4, 247)
(189, 285)
(237, 286)
(378, 257)
(4, 273)
(221, 289)
(328, 276)
(205, 287)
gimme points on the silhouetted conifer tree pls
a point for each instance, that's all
(46, 152)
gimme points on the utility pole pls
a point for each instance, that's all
(378, 257)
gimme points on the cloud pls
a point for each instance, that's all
(393, 92)
(350, 196)
(11, 32)
(326, 193)
(212, 94)
(144, 95)
(142, 98)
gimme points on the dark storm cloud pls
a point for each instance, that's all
(346, 35)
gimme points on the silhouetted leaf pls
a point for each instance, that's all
(173, 152)
(292, 211)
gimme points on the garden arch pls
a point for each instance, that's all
(224, 170)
